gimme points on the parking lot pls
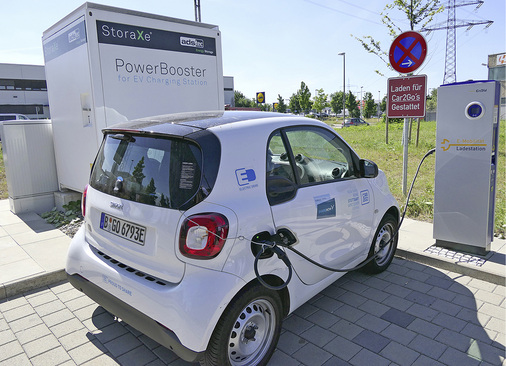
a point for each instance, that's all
(411, 314)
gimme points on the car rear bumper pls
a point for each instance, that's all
(189, 308)
(134, 318)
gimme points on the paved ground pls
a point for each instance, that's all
(412, 314)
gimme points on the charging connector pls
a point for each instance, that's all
(285, 238)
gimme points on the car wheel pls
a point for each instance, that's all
(248, 330)
(382, 245)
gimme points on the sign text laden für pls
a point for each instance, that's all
(406, 96)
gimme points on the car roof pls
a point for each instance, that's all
(186, 123)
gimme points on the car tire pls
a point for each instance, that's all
(384, 253)
(248, 330)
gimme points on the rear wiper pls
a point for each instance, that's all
(123, 137)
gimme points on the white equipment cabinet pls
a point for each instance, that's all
(106, 65)
(29, 165)
(466, 159)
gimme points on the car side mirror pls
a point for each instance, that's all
(368, 169)
(280, 189)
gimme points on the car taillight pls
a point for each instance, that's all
(83, 201)
(203, 236)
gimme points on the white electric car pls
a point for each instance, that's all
(182, 212)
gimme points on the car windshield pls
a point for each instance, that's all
(151, 170)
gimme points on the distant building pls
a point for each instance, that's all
(228, 86)
(497, 71)
(23, 90)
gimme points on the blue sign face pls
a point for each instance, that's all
(408, 52)
(411, 50)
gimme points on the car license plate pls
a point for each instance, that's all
(123, 229)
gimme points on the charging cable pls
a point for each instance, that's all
(273, 246)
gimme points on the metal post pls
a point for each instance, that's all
(379, 105)
(405, 157)
(344, 84)
(197, 11)
(361, 103)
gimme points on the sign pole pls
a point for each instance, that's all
(405, 157)
(386, 130)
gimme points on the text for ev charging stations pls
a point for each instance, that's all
(406, 96)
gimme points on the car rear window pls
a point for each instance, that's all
(157, 171)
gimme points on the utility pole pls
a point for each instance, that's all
(450, 75)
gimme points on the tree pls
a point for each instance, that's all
(370, 107)
(241, 100)
(419, 13)
(383, 105)
(150, 197)
(352, 105)
(304, 96)
(281, 105)
(431, 104)
(320, 100)
(265, 107)
(336, 102)
(293, 104)
(138, 171)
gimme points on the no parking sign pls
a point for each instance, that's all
(408, 52)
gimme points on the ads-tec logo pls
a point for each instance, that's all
(191, 42)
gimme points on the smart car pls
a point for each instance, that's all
(183, 212)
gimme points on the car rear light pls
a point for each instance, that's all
(203, 236)
(83, 201)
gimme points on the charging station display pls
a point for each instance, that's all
(466, 160)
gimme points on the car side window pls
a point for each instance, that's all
(278, 163)
(319, 155)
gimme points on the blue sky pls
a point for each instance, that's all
(272, 46)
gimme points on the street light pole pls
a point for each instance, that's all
(379, 104)
(344, 84)
(361, 103)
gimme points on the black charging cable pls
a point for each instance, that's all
(274, 246)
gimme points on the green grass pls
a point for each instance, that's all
(369, 143)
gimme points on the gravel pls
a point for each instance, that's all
(71, 229)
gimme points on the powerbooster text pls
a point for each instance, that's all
(160, 68)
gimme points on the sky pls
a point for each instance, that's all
(272, 45)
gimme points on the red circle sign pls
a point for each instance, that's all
(408, 52)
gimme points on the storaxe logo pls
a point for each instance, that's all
(191, 42)
(126, 33)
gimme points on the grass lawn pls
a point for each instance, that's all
(369, 143)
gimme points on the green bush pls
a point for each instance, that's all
(58, 218)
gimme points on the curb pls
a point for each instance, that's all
(457, 267)
(31, 283)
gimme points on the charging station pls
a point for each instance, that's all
(466, 158)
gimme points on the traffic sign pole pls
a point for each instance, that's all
(405, 137)
(406, 97)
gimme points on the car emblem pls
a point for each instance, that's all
(118, 206)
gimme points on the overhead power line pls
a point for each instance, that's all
(450, 75)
